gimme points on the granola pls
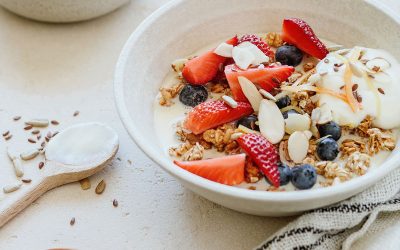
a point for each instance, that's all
(350, 146)
(358, 163)
(274, 39)
(380, 140)
(167, 94)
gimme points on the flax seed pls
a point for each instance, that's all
(41, 165)
(16, 118)
(31, 140)
(115, 203)
(54, 122)
(76, 113)
(381, 91)
(6, 133)
(28, 127)
(35, 132)
(26, 180)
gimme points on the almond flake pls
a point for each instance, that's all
(267, 95)
(224, 50)
(298, 146)
(242, 57)
(297, 122)
(272, 124)
(251, 92)
(229, 101)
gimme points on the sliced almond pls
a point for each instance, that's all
(29, 155)
(272, 124)
(308, 133)
(335, 47)
(229, 101)
(224, 50)
(314, 78)
(377, 64)
(251, 92)
(357, 71)
(297, 122)
(282, 155)
(246, 130)
(242, 57)
(267, 95)
(298, 144)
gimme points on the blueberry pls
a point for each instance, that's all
(304, 176)
(289, 55)
(285, 173)
(283, 102)
(327, 149)
(330, 128)
(249, 122)
(290, 111)
(193, 95)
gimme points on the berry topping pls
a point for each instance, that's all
(283, 102)
(249, 122)
(202, 69)
(257, 41)
(263, 153)
(285, 173)
(304, 176)
(297, 32)
(331, 128)
(327, 149)
(266, 78)
(193, 95)
(227, 170)
(289, 55)
(211, 114)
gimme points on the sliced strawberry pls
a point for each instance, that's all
(214, 113)
(227, 170)
(204, 68)
(297, 32)
(267, 78)
(256, 40)
(263, 153)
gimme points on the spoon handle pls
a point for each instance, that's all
(15, 202)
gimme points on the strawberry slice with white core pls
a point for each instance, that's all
(228, 170)
(211, 114)
(267, 78)
(263, 153)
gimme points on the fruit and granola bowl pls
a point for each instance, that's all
(270, 122)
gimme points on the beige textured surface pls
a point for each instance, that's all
(51, 71)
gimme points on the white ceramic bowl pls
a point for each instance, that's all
(61, 11)
(183, 26)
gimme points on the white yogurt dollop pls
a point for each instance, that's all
(383, 107)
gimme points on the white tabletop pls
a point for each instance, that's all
(50, 71)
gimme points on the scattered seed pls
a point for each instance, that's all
(41, 165)
(338, 65)
(38, 122)
(72, 221)
(326, 60)
(85, 184)
(115, 203)
(55, 133)
(16, 118)
(354, 87)
(43, 144)
(229, 101)
(376, 68)
(12, 187)
(28, 127)
(359, 98)
(336, 69)
(129, 162)
(29, 155)
(35, 132)
(31, 140)
(381, 91)
(54, 122)
(371, 76)
(8, 137)
(47, 139)
(119, 159)
(276, 80)
(26, 180)
(342, 87)
(6, 133)
(39, 137)
(49, 134)
(100, 187)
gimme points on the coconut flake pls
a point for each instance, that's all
(224, 50)
(297, 122)
(271, 122)
(298, 146)
(251, 92)
(242, 57)
(259, 56)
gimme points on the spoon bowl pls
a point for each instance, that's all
(74, 154)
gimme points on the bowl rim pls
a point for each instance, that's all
(355, 185)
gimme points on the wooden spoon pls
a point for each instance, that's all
(74, 154)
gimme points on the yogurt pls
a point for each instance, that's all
(374, 103)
